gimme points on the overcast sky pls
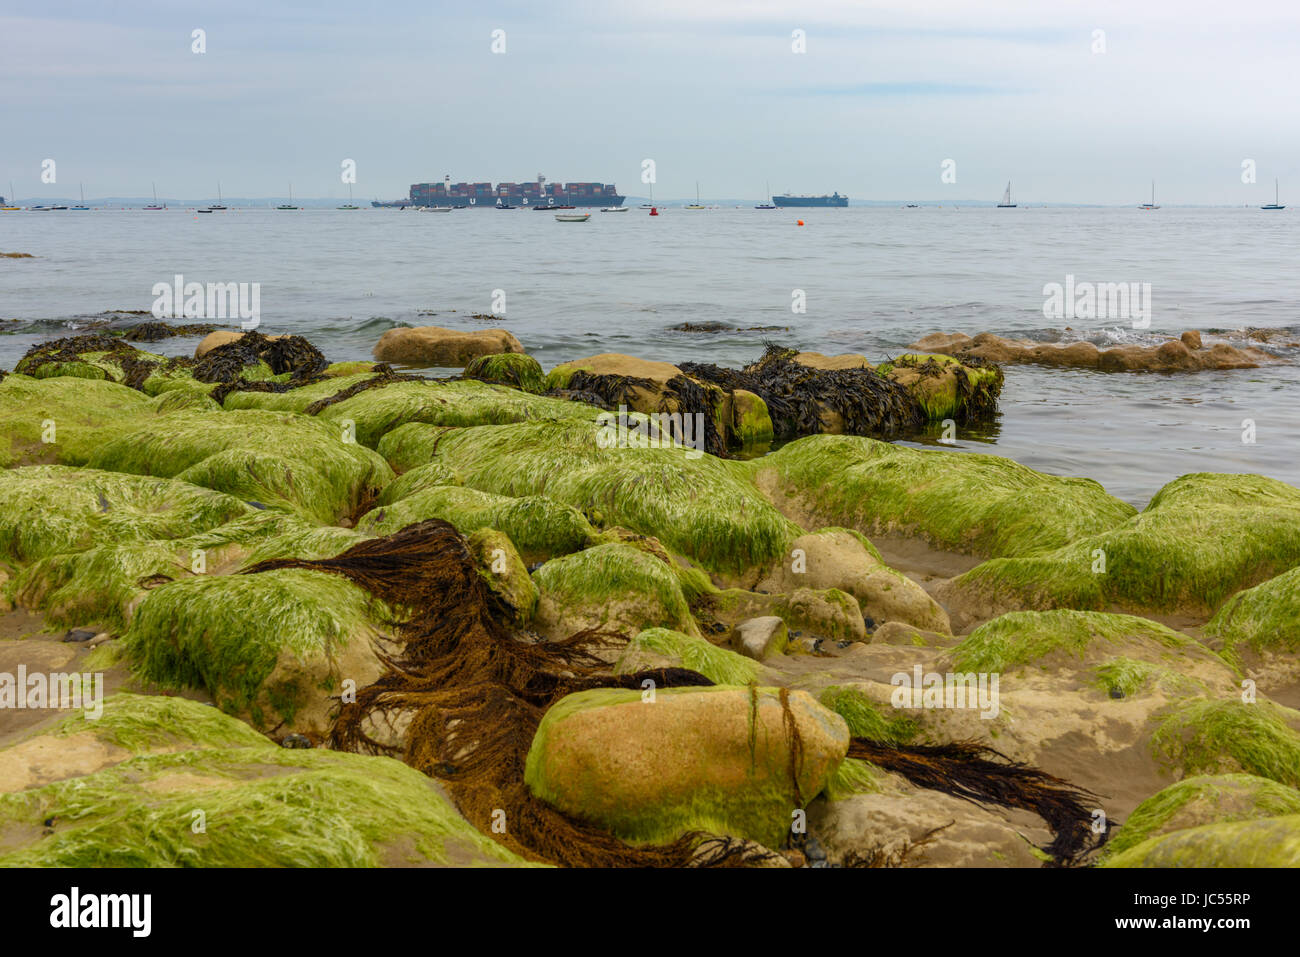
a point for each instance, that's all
(711, 91)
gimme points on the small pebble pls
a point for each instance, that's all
(1117, 692)
(296, 741)
(813, 849)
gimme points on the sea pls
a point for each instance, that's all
(870, 280)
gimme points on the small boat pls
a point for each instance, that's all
(155, 205)
(506, 206)
(289, 205)
(912, 206)
(1152, 204)
(438, 209)
(769, 204)
(46, 209)
(572, 217)
(83, 207)
(349, 204)
(1006, 198)
(696, 204)
(10, 209)
(217, 205)
(1273, 205)
(543, 209)
(613, 209)
(203, 211)
(651, 204)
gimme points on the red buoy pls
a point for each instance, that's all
(654, 210)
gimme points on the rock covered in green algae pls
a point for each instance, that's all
(1201, 800)
(665, 648)
(376, 411)
(121, 791)
(539, 527)
(946, 387)
(760, 638)
(699, 506)
(962, 501)
(613, 587)
(1264, 619)
(303, 464)
(63, 419)
(1202, 537)
(105, 583)
(504, 571)
(711, 759)
(824, 612)
(1263, 842)
(443, 348)
(1208, 736)
(274, 647)
(51, 509)
(514, 369)
(843, 559)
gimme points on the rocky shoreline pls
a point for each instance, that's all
(622, 612)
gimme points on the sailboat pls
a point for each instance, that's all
(288, 205)
(769, 204)
(650, 205)
(696, 204)
(215, 206)
(349, 203)
(1006, 198)
(1152, 204)
(83, 205)
(10, 208)
(155, 198)
(1273, 205)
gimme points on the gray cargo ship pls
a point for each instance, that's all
(835, 199)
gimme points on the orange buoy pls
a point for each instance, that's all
(799, 222)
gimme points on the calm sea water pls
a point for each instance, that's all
(874, 281)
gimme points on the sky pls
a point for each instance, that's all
(881, 96)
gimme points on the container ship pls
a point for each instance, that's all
(835, 199)
(539, 193)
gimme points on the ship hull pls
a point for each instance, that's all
(804, 202)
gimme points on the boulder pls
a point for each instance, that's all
(760, 638)
(843, 559)
(1191, 339)
(444, 348)
(727, 760)
(1177, 355)
(221, 337)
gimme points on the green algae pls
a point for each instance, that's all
(853, 776)
(962, 501)
(1201, 800)
(719, 665)
(1203, 537)
(63, 419)
(1206, 736)
(1021, 638)
(1265, 618)
(265, 645)
(617, 585)
(864, 717)
(1262, 842)
(539, 527)
(418, 479)
(698, 505)
(262, 806)
(1122, 677)
(274, 458)
(448, 403)
(297, 399)
(49, 509)
(514, 369)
